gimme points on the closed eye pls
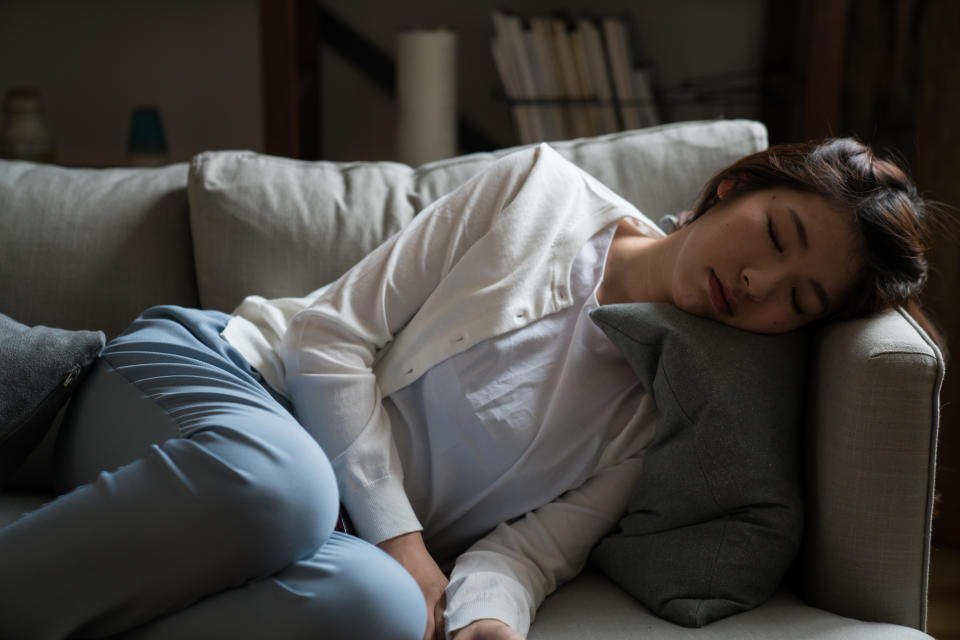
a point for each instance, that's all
(773, 235)
(795, 302)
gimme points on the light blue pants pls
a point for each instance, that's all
(197, 508)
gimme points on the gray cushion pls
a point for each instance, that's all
(278, 227)
(93, 247)
(41, 367)
(716, 520)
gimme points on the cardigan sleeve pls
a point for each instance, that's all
(507, 574)
(330, 347)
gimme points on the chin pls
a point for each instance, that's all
(698, 309)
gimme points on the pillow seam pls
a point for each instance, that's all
(36, 409)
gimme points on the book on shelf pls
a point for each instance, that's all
(643, 91)
(618, 49)
(567, 78)
(573, 90)
(511, 57)
(588, 92)
(595, 59)
(546, 68)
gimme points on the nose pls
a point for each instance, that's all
(759, 283)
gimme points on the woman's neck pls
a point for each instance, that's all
(639, 268)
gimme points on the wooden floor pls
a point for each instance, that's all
(943, 613)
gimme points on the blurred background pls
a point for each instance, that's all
(121, 82)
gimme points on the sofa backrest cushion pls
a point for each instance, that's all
(278, 227)
(92, 248)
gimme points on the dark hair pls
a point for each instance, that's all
(890, 215)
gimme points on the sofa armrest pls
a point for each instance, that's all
(870, 451)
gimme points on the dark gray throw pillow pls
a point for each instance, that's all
(39, 368)
(716, 519)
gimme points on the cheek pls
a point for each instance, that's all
(692, 260)
(687, 300)
(722, 243)
(685, 288)
(769, 320)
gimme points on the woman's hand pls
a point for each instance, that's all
(487, 629)
(408, 549)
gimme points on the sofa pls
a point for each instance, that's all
(91, 248)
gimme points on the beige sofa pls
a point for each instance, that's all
(92, 248)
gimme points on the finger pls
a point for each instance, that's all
(430, 632)
(438, 622)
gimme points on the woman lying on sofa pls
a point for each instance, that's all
(449, 394)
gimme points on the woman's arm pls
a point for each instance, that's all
(409, 550)
(507, 574)
(487, 629)
(330, 348)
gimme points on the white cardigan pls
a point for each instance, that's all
(490, 257)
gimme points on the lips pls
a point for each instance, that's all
(719, 296)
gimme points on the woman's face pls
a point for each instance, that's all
(767, 261)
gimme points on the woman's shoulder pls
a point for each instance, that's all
(637, 224)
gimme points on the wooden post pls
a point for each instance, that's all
(290, 72)
(804, 53)
(824, 68)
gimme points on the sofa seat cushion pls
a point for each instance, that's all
(591, 607)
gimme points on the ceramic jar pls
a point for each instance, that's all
(25, 134)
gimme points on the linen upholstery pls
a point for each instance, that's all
(593, 608)
(278, 227)
(870, 469)
(659, 169)
(93, 247)
(715, 520)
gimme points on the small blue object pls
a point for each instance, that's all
(146, 131)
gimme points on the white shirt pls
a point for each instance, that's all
(508, 425)
(491, 257)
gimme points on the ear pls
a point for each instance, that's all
(725, 187)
